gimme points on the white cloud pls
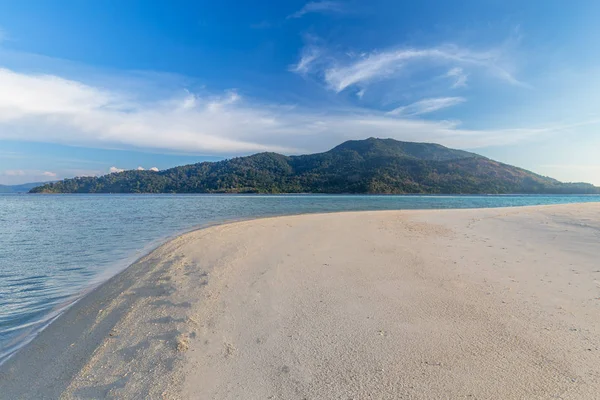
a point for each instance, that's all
(309, 55)
(459, 77)
(427, 106)
(115, 170)
(47, 108)
(153, 169)
(50, 174)
(318, 7)
(365, 69)
(140, 168)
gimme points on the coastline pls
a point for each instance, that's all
(79, 340)
(122, 265)
(148, 248)
(106, 276)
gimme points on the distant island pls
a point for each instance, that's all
(22, 188)
(371, 166)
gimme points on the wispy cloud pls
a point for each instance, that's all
(48, 108)
(115, 170)
(350, 70)
(427, 106)
(309, 55)
(459, 77)
(318, 7)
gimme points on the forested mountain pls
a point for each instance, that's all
(358, 166)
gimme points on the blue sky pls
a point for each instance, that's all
(93, 87)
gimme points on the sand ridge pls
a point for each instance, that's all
(481, 304)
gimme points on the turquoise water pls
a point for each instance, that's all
(54, 247)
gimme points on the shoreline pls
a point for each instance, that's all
(106, 276)
(307, 194)
(81, 319)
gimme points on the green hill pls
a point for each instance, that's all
(358, 166)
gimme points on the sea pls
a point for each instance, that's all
(55, 248)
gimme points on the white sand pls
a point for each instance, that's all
(476, 304)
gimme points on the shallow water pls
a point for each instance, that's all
(54, 247)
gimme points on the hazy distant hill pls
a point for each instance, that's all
(358, 166)
(24, 188)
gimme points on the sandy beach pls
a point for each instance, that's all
(436, 304)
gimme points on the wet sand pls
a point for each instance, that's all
(476, 304)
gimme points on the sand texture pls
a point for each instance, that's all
(443, 304)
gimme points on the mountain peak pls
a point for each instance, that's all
(356, 166)
(374, 147)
